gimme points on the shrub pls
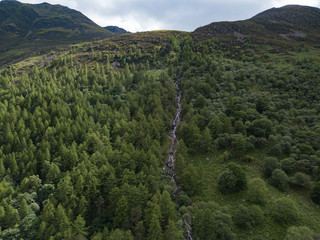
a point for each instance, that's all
(233, 179)
(284, 211)
(299, 233)
(270, 164)
(257, 191)
(248, 217)
(212, 222)
(227, 182)
(287, 165)
(301, 180)
(183, 199)
(279, 179)
(241, 182)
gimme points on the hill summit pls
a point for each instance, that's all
(273, 26)
(116, 30)
(24, 26)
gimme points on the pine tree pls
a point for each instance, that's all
(167, 207)
(24, 209)
(2, 169)
(122, 213)
(155, 231)
(80, 227)
(215, 126)
(172, 232)
(206, 141)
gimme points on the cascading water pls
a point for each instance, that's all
(170, 163)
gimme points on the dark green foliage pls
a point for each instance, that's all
(227, 182)
(172, 232)
(248, 217)
(261, 127)
(191, 180)
(24, 209)
(300, 180)
(287, 165)
(279, 179)
(262, 105)
(29, 227)
(257, 191)
(212, 222)
(284, 211)
(231, 180)
(119, 234)
(315, 194)
(300, 233)
(269, 165)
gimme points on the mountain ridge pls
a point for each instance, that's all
(36, 26)
(116, 29)
(32, 28)
(274, 26)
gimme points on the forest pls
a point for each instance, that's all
(84, 140)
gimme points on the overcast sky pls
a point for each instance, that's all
(186, 15)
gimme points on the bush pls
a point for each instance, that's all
(227, 182)
(304, 166)
(279, 179)
(257, 191)
(212, 222)
(301, 180)
(315, 195)
(183, 199)
(241, 182)
(231, 180)
(287, 165)
(248, 217)
(270, 164)
(284, 211)
(299, 233)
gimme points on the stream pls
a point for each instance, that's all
(170, 162)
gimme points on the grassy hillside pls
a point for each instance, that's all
(25, 28)
(280, 29)
(245, 112)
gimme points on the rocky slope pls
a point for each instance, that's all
(276, 26)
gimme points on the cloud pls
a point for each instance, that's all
(280, 3)
(187, 15)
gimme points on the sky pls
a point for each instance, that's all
(185, 15)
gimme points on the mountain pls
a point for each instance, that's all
(37, 26)
(158, 135)
(277, 26)
(116, 30)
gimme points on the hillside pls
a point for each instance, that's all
(163, 135)
(288, 27)
(34, 27)
(116, 30)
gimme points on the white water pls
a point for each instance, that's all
(170, 163)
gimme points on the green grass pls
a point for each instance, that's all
(211, 165)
